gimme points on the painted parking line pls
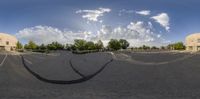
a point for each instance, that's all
(28, 61)
(4, 60)
(113, 55)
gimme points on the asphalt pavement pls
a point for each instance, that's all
(102, 76)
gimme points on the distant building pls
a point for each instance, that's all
(7, 42)
(193, 42)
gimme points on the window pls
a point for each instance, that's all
(198, 48)
(190, 48)
(7, 43)
(198, 40)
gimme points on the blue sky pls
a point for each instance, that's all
(153, 22)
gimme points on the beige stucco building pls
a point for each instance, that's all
(7, 42)
(193, 42)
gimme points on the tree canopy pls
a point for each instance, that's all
(176, 46)
(80, 44)
(90, 45)
(114, 44)
(124, 43)
(99, 44)
(19, 45)
(31, 45)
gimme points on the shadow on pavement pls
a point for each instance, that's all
(82, 79)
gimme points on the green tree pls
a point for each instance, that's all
(124, 43)
(19, 45)
(80, 44)
(72, 47)
(179, 46)
(162, 47)
(114, 44)
(55, 46)
(42, 47)
(90, 45)
(170, 46)
(68, 46)
(144, 47)
(32, 45)
(51, 47)
(176, 46)
(26, 46)
(154, 47)
(58, 46)
(99, 45)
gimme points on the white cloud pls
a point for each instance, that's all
(150, 25)
(163, 20)
(137, 33)
(46, 35)
(93, 15)
(143, 12)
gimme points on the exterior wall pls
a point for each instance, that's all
(7, 42)
(193, 42)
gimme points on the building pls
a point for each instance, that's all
(7, 42)
(193, 42)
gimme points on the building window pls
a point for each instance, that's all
(198, 40)
(7, 43)
(190, 48)
(198, 48)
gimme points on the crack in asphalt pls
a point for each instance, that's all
(82, 79)
(74, 69)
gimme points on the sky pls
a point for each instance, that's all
(149, 22)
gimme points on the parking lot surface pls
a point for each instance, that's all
(103, 75)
